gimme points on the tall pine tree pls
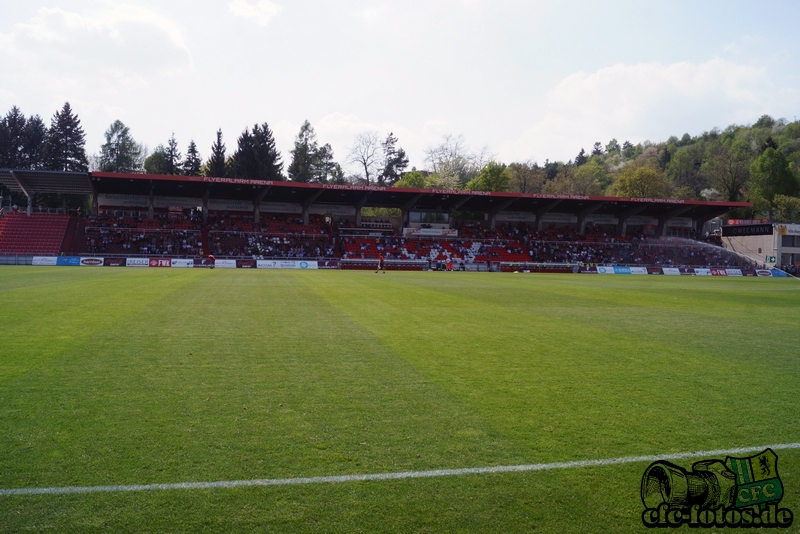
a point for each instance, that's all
(173, 156)
(35, 139)
(65, 145)
(303, 155)
(216, 163)
(12, 139)
(256, 156)
(395, 161)
(191, 165)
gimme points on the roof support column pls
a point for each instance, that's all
(205, 204)
(406, 208)
(307, 203)
(359, 205)
(257, 204)
(151, 203)
(95, 206)
(497, 209)
(662, 221)
(25, 189)
(540, 213)
(588, 211)
(622, 225)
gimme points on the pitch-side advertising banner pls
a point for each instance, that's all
(182, 263)
(45, 260)
(638, 270)
(114, 262)
(92, 262)
(285, 264)
(225, 264)
(671, 271)
(702, 272)
(137, 262)
(71, 261)
(160, 262)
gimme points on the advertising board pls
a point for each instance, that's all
(45, 260)
(137, 262)
(92, 262)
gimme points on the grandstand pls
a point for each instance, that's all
(187, 217)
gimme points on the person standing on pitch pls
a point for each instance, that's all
(381, 265)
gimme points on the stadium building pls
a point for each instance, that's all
(244, 220)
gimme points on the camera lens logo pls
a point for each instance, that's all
(737, 492)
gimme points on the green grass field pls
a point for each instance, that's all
(141, 376)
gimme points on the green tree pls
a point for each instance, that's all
(65, 147)
(192, 163)
(572, 181)
(770, 175)
(395, 161)
(35, 142)
(12, 139)
(787, 209)
(526, 177)
(642, 182)
(257, 156)
(493, 177)
(120, 152)
(727, 166)
(173, 156)
(216, 165)
(157, 162)
(411, 180)
(323, 165)
(301, 169)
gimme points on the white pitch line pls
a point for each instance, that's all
(388, 476)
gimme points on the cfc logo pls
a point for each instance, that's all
(737, 492)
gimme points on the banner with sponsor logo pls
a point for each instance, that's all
(114, 262)
(45, 260)
(182, 264)
(71, 261)
(789, 229)
(286, 264)
(763, 272)
(671, 271)
(137, 262)
(160, 262)
(638, 270)
(92, 262)
(220, 204)
(225, 264)
(516, 216)
(202, 262)
(745, 230)
(719, 272)
(328, 264)
(245, 264)
(702, 272)
(733, 272)
(430, 232)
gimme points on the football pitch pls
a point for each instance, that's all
(112, 378)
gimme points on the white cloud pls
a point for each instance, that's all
(262, 11)
(636, 101)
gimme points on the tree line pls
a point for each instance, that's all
(757, 163)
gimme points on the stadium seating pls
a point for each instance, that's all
(39, 234)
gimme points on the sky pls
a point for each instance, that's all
(527, 80)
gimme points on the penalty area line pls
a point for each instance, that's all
(389, 476)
